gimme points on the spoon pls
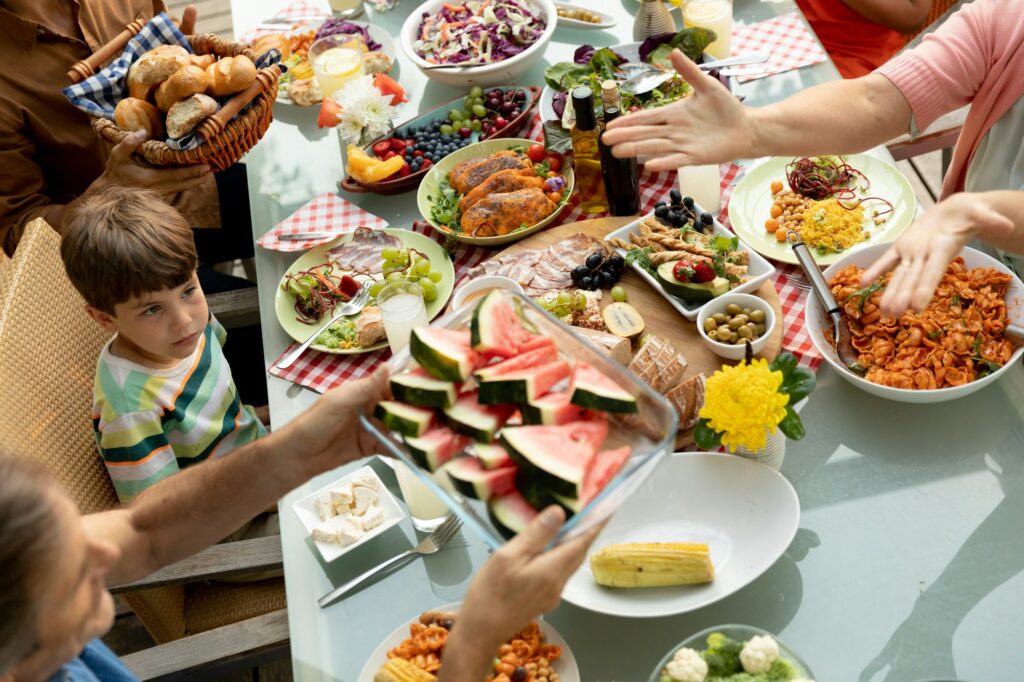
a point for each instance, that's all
(632, 69)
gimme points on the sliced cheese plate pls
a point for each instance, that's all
(758, 270)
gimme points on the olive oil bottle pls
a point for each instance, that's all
(621, 177)
(586, 156)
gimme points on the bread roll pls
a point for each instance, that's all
(202, 60)
(156, 65)
(230, 75)
(136, 114)
(184, 116)
(186, 81)
(305, 92)
(274, 40)
(140, 90)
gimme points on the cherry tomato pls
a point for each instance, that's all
(776, 187)
(771, 224)
(555, 162)
(537, 153)
(555, 197)
(381, 148)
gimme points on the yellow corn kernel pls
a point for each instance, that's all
(652, 564)
(401, 670)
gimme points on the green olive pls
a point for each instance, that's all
(733, 309)
(710, 325)
(757, 316)
(747, 311)
(745, 332)
(713, 335)
(735, 323)
(720, 318)
(742, 318)
(761, 328)
(725, 335)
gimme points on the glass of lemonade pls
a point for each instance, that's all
(401, 308)
(427, 510)
(346, 9)
(335, 62)
(715, 15)
(703, 184)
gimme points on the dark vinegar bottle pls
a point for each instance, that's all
(621, 177)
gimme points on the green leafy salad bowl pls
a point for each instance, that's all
(731, 653)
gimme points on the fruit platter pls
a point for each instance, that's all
(332, 273)
(497, 389)
(495, 192)
(419, 143)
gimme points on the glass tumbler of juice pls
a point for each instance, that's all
(346, 9)
(401, 309)
(715, 15)
(334, 63)
(428, 511)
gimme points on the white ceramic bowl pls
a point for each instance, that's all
(509, 70)
(740, 633)
(718, 305)
(817, 321)
(481, 284)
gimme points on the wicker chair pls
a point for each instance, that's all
(48, 350)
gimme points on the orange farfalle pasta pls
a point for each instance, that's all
(954, 340)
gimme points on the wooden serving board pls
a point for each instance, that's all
(660, 317)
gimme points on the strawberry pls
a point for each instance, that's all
(703, 272)
(381, 148)
(404, 171)
(683, 271)
(397, 144)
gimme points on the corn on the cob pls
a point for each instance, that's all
(302, 71)
(652, 564)
(401, 670)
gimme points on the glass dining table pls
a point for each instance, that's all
(909, 560)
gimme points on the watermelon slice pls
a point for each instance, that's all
(510, 513)
(555, 458)
(524, 385)
(492, 456)
(527, 360)
(606, 464)
(471, 479)
(480, 422)
(554, 409)
(535, 342)
(590, 388)
(405, 419)
(496, 329)
(444, 353)
(418, 387)
(436, 447)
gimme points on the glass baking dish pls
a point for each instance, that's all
(650, 433)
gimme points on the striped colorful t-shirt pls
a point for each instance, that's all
(151, 423)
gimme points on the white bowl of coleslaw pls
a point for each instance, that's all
(448, 42)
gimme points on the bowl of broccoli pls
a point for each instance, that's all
(732, 653)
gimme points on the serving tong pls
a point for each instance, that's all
(840, 333)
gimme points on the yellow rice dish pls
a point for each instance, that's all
(830, 228)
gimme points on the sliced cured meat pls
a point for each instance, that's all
(518, 266)
(556, 262)
(361, 254)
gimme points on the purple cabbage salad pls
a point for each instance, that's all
(478, 31)
(333, 27)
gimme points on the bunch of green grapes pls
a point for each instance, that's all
(564, 303)
(407, 265)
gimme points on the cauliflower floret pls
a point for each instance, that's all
(687, 666)
(758, 654)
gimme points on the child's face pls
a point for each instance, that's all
(161, 326)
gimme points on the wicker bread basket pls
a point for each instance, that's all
(227, 135)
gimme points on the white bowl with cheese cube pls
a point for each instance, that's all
(348, 512)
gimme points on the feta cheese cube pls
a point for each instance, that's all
(325, 532)
(366, 481)
(348, 530)
(364, 499)
(324, 507)
(373, 517)
(341, 498)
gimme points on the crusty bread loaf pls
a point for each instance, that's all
(136, 114)
(274, 40)
(184, 116)
(305, 92)
(230, 75)
(688, 399)
(202, 60)
(186, 81)
(155, 66)
(139, 90)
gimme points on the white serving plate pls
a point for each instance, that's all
(566, 667)
(306, 511)
(745, 512)
(759, 269)
(817, 321)
(607, 20)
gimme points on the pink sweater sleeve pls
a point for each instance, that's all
(946, 70)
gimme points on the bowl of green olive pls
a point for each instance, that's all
(727, 323)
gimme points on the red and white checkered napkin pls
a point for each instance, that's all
(299, 12)
(322, 371)
(786, 37)
(327, 213)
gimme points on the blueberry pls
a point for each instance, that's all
(675, 195)
(688, 202)
(707, 218)
(579, 272)
(594, 260)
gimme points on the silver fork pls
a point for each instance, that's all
(431, 544)
(352, 307)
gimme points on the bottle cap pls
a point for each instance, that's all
(583, 105)
(609, 91)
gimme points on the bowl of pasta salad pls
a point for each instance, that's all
(952, 348)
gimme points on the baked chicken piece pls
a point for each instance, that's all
(500, 214)
(468, 174)
(508, 180)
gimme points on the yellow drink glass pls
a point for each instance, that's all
(335, 62)
(715, 15)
